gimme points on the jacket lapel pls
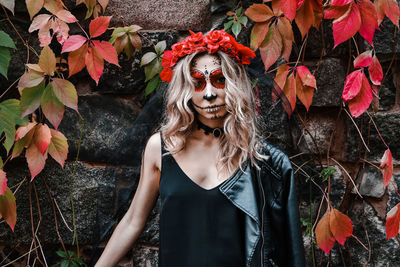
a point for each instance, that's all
(241, 192)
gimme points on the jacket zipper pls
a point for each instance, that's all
(262, 218)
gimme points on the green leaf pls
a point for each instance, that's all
(71, 253)
(160, 47)
(115, 34)
(1, 163)
(152, 85)
(30, 99)
(326, 173)
(10, 115)
(254, 83)
(267, 36)
(61, 253)
(52, 108)
(236, 28)
(8, 208)
(6, 41)
(228, 25)
(4, 61)
(65, 263)
(74, 263)
(152, 69)
(147, 58)
(231, 17)
(243, 20)
(239, 11)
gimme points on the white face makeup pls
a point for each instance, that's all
(209, 93)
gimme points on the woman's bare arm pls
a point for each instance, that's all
(131, 225)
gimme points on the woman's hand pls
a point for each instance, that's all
(131, 225)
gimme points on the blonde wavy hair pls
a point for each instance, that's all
(240, 140)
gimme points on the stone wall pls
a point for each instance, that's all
(118, 118)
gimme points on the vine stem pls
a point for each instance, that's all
(348, 175)
(20, 257)
(355, 43)
(360, 242)
(395, 189)
(376, 128)
(394, 54)
(11, 86)
(358, 130)
(301, 50)
(87, 36)
(370, 163)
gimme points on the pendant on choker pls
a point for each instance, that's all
(217, 132)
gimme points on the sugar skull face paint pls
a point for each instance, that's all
(208, 99)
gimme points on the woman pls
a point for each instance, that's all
(227, 197)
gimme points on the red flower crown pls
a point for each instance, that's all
(197, 42)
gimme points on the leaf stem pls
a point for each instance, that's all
(376, 128)
(358, 130)
(348, 175)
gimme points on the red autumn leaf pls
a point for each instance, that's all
(75, 60)
(23, 130)
(285, 30)
(98, 26)
(305, 17)
(375, 71)
(58, 147)
(362, 100)
(306, 77)
(290, 90)
(281, 75)
(341, 2)
(393, 222)
(304, 93)
(347, 25)
(34, 6)
(386, 167)
(30, 99)
(25, 141)
(336, 12)
(36, 160)
(42, 137)
(3, 182)
(352, 85)
(323, 234)
(47, 61)
(73, 42)
(369, 20)
(341, 226)
(94, 64)
(288, 8)
(61, 29)
(65, 92)
(8, 208)
(107, 51)
(363, 60)
(52, 108)
(258, 34)
(38, 22)
(259, 13)
(390, 8)
(66, 16)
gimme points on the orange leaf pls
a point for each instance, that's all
(393, 222)
(285, 30)
(65, 92)
(103, 4)
(271, 51)
(66, 16)
(52, 108)
(3, 182)
(306, 77)
(361, 102)
(75, 60)
(47, 61)
(392, 11)
(107, 51)
(387, 167)
(259, 12)
(42, 137)
(290, 91)
(258, 34)
(120, 43)
(281, 75)
(23, 130)
(34, 6)
(304, 93)
(23, 142)
(58, 147)
(323, 234)
(35, 159)
(375, 71)
(363, 60)
(305, 17)
(98, 26)
(341, 226)
(8, 208)
(94, 64)
(135, 40)
(54, 6)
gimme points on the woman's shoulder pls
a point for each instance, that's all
(152, 151)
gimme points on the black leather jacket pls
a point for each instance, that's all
(268, 197)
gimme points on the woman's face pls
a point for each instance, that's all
(209, 93)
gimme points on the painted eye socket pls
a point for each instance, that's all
(217, 79)
(199, 81)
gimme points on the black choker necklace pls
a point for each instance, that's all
(207, 130)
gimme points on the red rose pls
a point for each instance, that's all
(166, 75)
(245, 53)
(195, 40)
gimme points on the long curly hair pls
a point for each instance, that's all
(240, 140)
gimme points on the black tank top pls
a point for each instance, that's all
(198, 227)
